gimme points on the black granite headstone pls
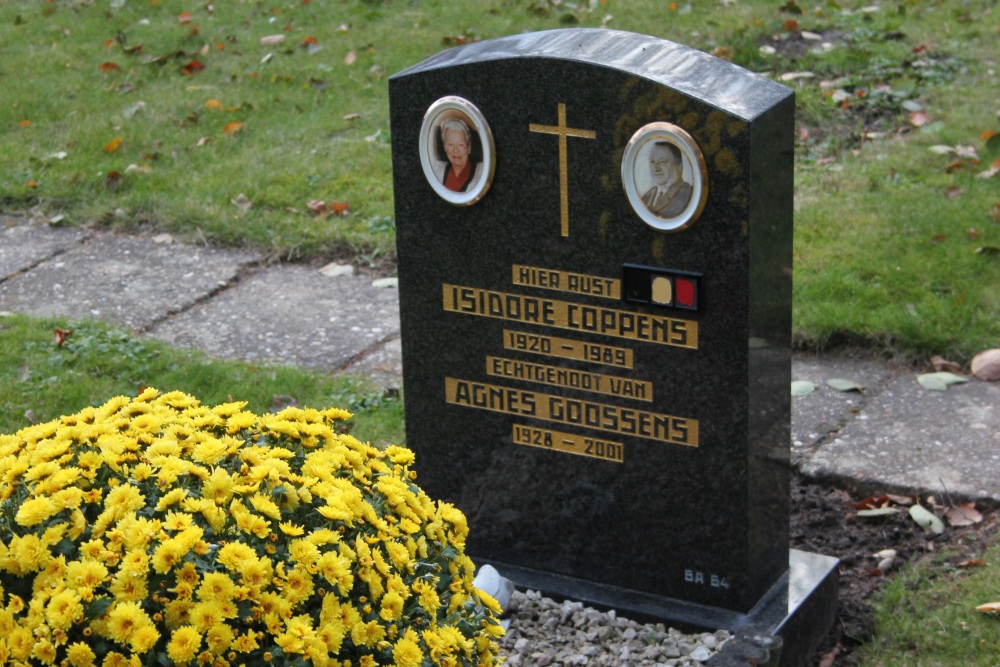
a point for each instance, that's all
(594, 236)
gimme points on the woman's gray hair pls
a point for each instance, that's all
(456, 124)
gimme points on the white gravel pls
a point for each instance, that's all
(545, 633)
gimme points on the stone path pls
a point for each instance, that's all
(895, 436)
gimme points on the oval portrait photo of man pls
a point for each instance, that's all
(664, 176)
(456, 150)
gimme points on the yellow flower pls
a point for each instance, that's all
(407, 653)
(218, 487)
(144, 639)
(177, 521)
(399, 455)
(63, 609)
(80, 655)
(246, 642)
(44, 652)
(209, 451)
(129, 586)
(234, 554)
(216, 586)
(170, 498)
(184, 644)
(289, 528)
(115, 659)
(299, 585)
(303, 551)
(29, 553)
(205, 615)
(20, 642)
(369, 634)
(392, 606)
(167, 555)
(489, 602)
(265, 506)
(125, 618)
(35, 511)
(219, 638)
(85, 575)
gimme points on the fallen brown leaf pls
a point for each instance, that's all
(232, 127)
(192, 68)
(941, 364)
(350, 58)
(828, 659)
(972, 562)
(963, 515)
(109, 66)
(113, 145)
(185, 17)
(62, 335)
(919, 118)
(871, 502)
(991, 608)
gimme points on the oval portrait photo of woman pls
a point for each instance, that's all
(664, 176)
(456, 150)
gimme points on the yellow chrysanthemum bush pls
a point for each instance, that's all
(157, 531)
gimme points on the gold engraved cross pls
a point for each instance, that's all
(562, 132)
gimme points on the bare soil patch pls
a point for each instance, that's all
(824, 521)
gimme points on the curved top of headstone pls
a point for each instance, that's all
(691, 72)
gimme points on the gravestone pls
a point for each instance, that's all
(594, 237)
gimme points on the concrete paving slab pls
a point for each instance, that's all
(23, 244)
(290, 314)
(821, 414)
(911, 440)
(382, 366)
(130, 281)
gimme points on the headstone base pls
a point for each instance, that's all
(800, 608)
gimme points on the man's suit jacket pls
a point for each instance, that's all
(669, 204)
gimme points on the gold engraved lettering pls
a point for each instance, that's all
(573, 412)
(570, 443)
(572, 316)
(563, 131)
(566, 281)
(567, 348)
(570, 378)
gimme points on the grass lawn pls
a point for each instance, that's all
(229, 122)
(40, 380)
